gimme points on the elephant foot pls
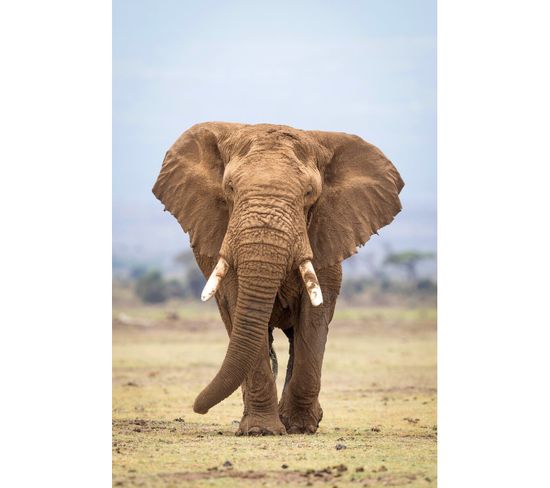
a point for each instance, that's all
(300, 420)
(257, 424)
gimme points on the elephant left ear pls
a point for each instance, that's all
(360, 195)
(190, 185)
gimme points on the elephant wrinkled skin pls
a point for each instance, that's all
(275, 208)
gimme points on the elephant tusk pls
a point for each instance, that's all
(311, 282)
(215, 279)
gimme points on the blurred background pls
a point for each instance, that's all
(362, 67)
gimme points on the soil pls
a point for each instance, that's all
(378, 396)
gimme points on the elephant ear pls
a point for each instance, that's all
(360, 195)
(190, 185)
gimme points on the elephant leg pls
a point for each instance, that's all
(261, 416)
(299, 408)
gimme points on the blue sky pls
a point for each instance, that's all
(364, 67)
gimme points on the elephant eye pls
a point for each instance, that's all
(309, 191)
(229, 186)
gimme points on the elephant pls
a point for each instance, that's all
(271, 212)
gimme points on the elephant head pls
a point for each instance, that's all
(267, 200)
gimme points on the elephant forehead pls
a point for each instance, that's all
(269, 170)
(273, 167)
(269, 141)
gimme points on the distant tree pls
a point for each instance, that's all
(408, 261)
(426, 284)
(151, 287)
(176, 289)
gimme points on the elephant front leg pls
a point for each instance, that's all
(260, 415)
(299, 408)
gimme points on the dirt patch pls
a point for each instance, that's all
(227, 473)
(141, 425)
(331, 475)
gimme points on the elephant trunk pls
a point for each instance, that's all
(259, 275)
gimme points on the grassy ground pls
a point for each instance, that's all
(378, 395)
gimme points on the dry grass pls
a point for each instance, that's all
(378, 395)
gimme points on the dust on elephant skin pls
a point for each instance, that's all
(277, 209)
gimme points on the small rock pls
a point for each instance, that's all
(339, 447)
(359, 469)
(179, 419)
(228, 464)
(284, 466)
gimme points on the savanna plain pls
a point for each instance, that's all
(378, 395)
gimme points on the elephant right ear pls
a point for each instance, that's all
(190, 185)
(360, 195)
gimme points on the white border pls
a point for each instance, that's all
(493, 243)
(56, 243)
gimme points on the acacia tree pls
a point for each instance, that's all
(151, 287)
(408, 261)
